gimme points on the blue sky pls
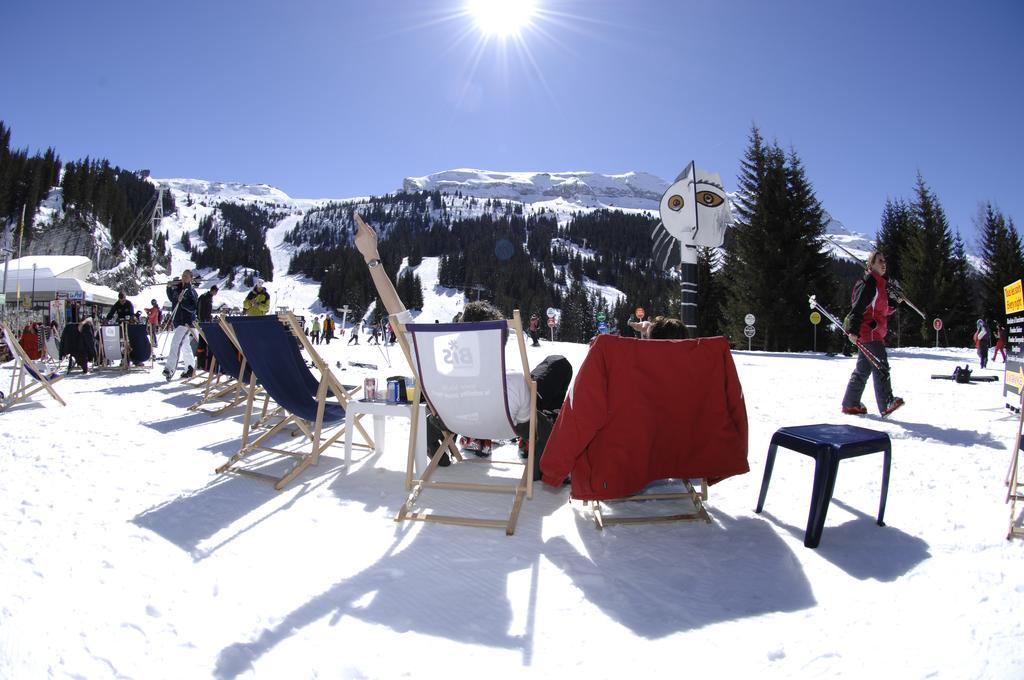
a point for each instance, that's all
(342, 98)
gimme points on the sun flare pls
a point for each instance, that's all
(501, 18)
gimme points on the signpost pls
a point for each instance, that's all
(551, 325)
(749, 319)
(344, 316)
(749, 332)
(937, 325)
(815, 320)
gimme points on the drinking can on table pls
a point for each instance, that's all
(370, 388)
(393, 396)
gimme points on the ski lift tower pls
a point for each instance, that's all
(154, 223)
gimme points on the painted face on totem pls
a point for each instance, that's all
(694, 212)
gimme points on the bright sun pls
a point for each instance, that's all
(501, 18)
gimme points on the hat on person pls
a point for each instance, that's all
(214, 288)
(259, 282)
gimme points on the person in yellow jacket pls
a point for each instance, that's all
(257, 302)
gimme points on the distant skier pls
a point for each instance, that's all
(981, 341)
(1000, 337)
(257, 302)
(153, 317)
(314, 334)
(357, 327)
(535, 330)
(868, 323)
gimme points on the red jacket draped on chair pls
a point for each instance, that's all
(642, 410)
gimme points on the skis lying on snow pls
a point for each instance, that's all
(963, 375)
(360, 364)
(872, 359)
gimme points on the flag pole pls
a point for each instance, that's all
(687, 268)
(21, 239)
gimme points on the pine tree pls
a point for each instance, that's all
(961, 313)
(1002, 260)
(927, 265)
(774, 257)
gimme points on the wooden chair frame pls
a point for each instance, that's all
(697, 497)
(233, 389)
(20, 389)
(311, 429)
(523, 488)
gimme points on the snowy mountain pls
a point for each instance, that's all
(588, 190)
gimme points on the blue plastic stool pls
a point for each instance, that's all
(827, 444)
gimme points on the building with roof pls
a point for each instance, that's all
(43, 278)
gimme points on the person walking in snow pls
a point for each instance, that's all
(153, 317)
(257, 302)
(1000, 337)
(357, 327)
(314, 333)
(868, 323)
(185, 301)
(535, 330)
(981, 341)
(328, 331)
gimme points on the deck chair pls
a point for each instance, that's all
(27, 378)
(111, 346)
(460, 369)
(645, 411)
(139, 350)
(52, 350)
(229, 373)
(271, 346)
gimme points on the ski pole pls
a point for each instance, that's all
(892, 285)
(868, 354)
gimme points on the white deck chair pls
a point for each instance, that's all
(27, 378)
(461, 370)
(52, 350)
(111, 346)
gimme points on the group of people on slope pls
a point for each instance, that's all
(985, 338)
(188, 307)
(322, 332)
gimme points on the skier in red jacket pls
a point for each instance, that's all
(868, 323)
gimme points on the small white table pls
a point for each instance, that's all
(381, 410)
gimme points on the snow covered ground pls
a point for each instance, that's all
(124, 555)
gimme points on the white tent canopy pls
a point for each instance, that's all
(53, 274)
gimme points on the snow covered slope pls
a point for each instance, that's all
(637, 190)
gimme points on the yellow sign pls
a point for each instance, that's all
(815, 318)
(1013, 296)
(1016, 380)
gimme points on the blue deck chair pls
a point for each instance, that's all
(461, 369)
(140, 349)
(229, 374)
(27, 378)
(271, 347)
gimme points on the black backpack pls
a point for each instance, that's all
(962, 375)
